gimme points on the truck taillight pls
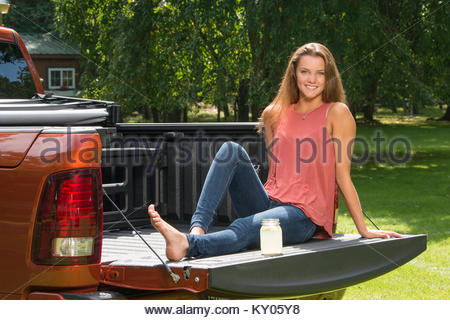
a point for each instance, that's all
(69, 222)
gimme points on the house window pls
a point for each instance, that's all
(61, 78)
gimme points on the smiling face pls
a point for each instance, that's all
(310, 75)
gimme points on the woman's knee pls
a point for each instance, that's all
(230, 151)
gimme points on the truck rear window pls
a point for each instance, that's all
(16, 81)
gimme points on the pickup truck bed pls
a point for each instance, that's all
(303, 269)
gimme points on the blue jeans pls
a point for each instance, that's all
(232, 171)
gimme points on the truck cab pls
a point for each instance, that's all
(18, 76)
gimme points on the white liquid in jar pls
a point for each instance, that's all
(271, 238)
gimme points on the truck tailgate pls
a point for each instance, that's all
(303, 269)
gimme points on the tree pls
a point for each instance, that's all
(435, 47)
(31, 16)
(179, 53)
(220, 37)
(275, 29)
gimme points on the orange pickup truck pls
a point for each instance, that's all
(74, 186)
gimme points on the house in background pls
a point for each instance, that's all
(57, 62)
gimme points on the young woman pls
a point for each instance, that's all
(309, 133)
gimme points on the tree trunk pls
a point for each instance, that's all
(369, 108)
(174, 115)
(226, 112)
(255, 111)
(155, 114)
(242, 100)
(446, 116)
(353, 108)
(146, 112)
(218, 113)
(416, 107)
(368, 112)
(259, 46)
(394, 109)
(185, 114)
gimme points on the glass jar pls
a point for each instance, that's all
(271, 237)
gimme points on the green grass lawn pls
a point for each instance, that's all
(411, 198)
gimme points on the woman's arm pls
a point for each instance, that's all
(268, 135)
(344, 130)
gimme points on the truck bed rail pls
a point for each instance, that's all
(57, 111)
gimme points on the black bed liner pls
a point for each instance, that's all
(313, 267)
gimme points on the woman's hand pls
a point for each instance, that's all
(380, 234)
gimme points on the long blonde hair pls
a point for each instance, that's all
(289, 92)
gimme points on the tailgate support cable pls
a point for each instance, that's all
(174, 276)
(370, 219)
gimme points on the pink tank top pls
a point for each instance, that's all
(302, 169)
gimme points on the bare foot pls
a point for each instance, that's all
(176, 242)
(197, 230)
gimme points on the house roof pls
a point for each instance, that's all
(46, 43)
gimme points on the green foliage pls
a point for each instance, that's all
(30, 16)
(169, 55)
(93, 25)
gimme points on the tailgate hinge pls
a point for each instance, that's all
(154, 278)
